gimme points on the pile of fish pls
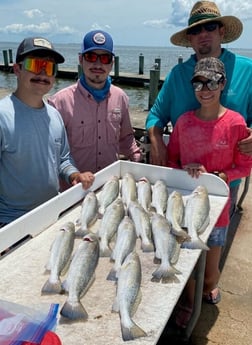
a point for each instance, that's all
(111, 222)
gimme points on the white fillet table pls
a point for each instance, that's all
(22, 271)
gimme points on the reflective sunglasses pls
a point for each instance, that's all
(37, 65)
(196, 30)
(93, 57)
(212, 85)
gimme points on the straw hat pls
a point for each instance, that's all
(207, 11)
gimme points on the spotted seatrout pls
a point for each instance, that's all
(80, 276)
(112, 217)
(142, 223)
(165, 248)
(175, 214)
(125, 243)
(128, 296)
(109, 192)
(197, 217)
(89, 214)
(159, 196)
(60, 256)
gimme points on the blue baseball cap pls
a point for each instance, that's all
(97, 39)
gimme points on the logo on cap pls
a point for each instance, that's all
(41, 42)
(99, 38)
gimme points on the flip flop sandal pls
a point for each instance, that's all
(212, 297)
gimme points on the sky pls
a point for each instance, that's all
(130, 22)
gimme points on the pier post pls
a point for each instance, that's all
(5, 57)
(158, 65)
(180, 59)
(116, 67)
(79, 70)
(141, 64)
(10, 56)
(153, 88)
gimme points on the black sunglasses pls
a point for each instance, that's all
(212, 85)
(209, 27)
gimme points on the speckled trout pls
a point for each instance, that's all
(128, 296)
(80, 276)
(125, 243)
(61, 251)
(197, 217)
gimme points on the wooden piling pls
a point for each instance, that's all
(5, 57)
(141, 64)
(10, 56)
(180, 59)
(153, 88)
(116, 66)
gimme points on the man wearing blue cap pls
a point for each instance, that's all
(95, 112)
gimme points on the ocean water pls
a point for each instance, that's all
(128, 62)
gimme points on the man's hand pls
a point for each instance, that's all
(158, 150)
(245, 145)
(86, 178)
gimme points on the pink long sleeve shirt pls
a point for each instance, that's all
(97, 132)
(214, 144)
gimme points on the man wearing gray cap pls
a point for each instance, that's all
(34, 150)
(95, 112)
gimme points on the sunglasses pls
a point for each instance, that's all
(212, 85)
(36, 66)
(93, 57)
(209, 27)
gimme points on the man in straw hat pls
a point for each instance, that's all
(207, 29)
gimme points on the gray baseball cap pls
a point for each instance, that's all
(210, 68)
(37, 46)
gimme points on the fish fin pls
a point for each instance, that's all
(115, 306)
(147, 247)
(180, 233)
(89, 284)
(204, 225)
(132, 333)
(112, 275)
(50, 288)
(164, 272)
(74, 311)
(105, 251)
(136, 303)
(157, 260)
(195, 244)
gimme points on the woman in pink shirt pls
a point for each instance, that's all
(206, 140)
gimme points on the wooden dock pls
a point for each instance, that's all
(121, 78)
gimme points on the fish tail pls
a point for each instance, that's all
(74, 311)
(195, 244)
(112, 275)
(132, 333)
(164, 272)
(50, 288)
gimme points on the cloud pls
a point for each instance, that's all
(180, 10)
(33, 13)
(37, 27)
